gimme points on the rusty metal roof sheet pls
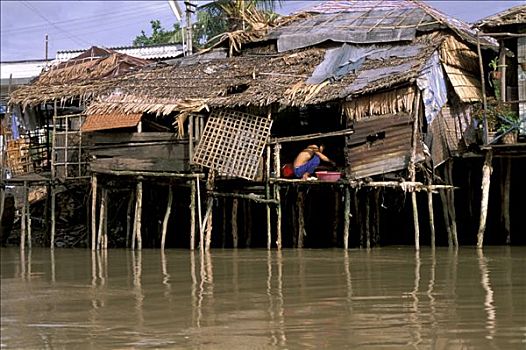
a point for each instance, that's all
(97, 122)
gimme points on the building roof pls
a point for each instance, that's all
(513, 15)
(153, 52)
(21, 71)
(369, 22)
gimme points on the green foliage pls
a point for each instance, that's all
(159, 35)
(494, 63)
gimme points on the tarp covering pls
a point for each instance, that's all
(433, 86)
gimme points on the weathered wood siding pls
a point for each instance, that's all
(380, 145)
(521, 57)
(148, 151)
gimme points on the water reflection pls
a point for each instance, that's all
(395, 298)
(491, 316)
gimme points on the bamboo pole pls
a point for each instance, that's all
(267, 196)
(486, 177)
(192, 215)
(502, 68)
(93, 211)
(53, 217)
(506, 200)
(368, 220)
(346, 217)
(199, 213)
(23, 221)
(300, 203)
(451, 206)
(431, 216)
(412, 168)
(28, 216)
(210, 188)
(167, 216)
(137, 220)
(234, 222)
(102, 218)
(277, 196)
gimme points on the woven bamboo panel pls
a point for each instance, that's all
(232, 143)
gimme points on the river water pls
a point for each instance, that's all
(386, 298)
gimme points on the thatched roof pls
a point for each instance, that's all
(84, 76)
(511, 16)
(258, 81)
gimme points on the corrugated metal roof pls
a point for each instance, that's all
(144, 52)
(514, 15)
(367, 22)
(96, 122)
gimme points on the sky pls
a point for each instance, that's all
(73, 25)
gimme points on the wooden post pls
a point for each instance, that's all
(28, 213)
(277, 197)
(300, 203)
(234, 222)
(190, 138)
(167, 215)
(431, 214)
(506, 200)
(248, 222)
(368, 219)
(93, 211)
(53, 174)
(376, 215)
(412, 168)
(105, 228)
(128, 218)
(451, 206)
(346, 217)
(199, 213)
(210, 188)
(53, 217)
(138, 214)
(192, 215)
(502, 68)
(102, 219)
(486, 176)
(23, 221)
(267, 196)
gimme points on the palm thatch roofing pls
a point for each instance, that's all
(511, 16)
(258, 80)
(82, 77)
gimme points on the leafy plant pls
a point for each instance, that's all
(494, 63)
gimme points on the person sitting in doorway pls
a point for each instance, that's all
(308, 160)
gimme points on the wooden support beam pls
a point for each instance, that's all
(486, 177)
(53, 214)
(23, 221)
(368, 219)
(300, 204)
(346, 217)
(336, 220)
(451, 206)
(252, 197)
(167, 216)
(277, 196)
(105, 198)
(193, 187)
(235, 205)
(278, 140)
(210, 188)
(93, 211)
(412, 168)
(445, 211)
(129, 210)
(431, 216)
(267, 196)
(199, 213)
(137, 236)
(506, 199)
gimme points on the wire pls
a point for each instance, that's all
(71, 36)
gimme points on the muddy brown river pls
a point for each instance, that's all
(386, 298)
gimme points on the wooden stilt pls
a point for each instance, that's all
(336, 221)
(100, 239)
(128, 218)
(301, 217)
(431, 215)
(346, 217)
(93, 211)
(136, 236)
(167, 216)
(368, 219)
(445, 211)
(486, 177)
(356, 209)
(23, 220)
(223, 222)
(192, 214)
(412, 168)
(506, 200)
(105, 230)
(451, 206)
(191, 138)
(199, 213)
(210, 188)
(235, 205)
(267, 196)
(376, 216)
(53, 216)
(206, 223)
(277, 197)
(28, 216)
